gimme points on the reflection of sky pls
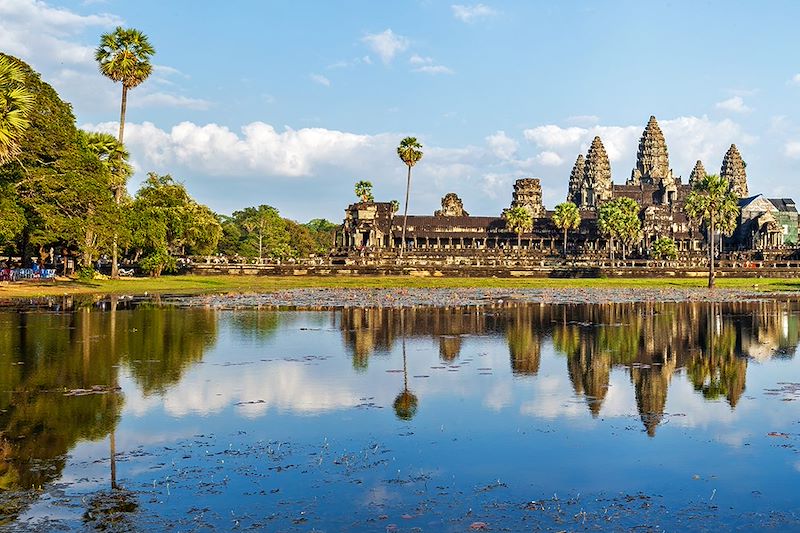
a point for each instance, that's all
(297, 384)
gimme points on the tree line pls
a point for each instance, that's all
(63, 191)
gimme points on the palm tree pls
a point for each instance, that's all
(363, 190)
(520, 220)
(410, 152)
(114, 157)
(566, 217)
(713, 203)
(124, 56)
(16, 102)
(405, 403)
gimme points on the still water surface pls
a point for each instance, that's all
(612, 416)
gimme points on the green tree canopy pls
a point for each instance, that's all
(566, 217)
(664, 248)
(716, 206)
(16, 101)
(363, 190)
(519, 220)
(619, 219)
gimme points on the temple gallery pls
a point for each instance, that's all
(764, 225)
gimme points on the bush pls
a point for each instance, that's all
(158, 262)
(664, 248)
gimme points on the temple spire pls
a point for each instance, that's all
(596, 175)
(733, 169)
(652, 159)
(575, 181)
(698, 173)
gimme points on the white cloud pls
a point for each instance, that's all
(552, 136)
(792, 149)
(386, 44)
(795, 80)
(502, 145)
(734, 104)
(549, 159)
(320, 79)
(428, 65)
(471, 13)
(51, 40)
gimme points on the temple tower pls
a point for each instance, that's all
(528, 194)
(698, 173)
(733, 170)
(575, 181)
(652, 159)
(452, 206)
(596, 176)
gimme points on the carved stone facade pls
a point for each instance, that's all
(698, 173)
(733, 169)
(652, 159)
(528, 195)
(576, 181)
(452, 206)
(597, 184)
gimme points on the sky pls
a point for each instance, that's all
(289, 103)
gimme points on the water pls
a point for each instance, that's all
(564, 417)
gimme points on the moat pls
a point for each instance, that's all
(505, 416)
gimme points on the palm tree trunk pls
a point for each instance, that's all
(118, 191)
(711, 273)
(565, 243)
(519, 240)
(405, 213)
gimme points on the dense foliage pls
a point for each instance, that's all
(63, 193)
(619, 221)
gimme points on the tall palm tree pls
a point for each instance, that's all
(565, 218)
(124, 56)
(520, 220)
(16, 102)
(713, 202)
(410, 152)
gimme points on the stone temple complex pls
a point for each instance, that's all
(765, 225)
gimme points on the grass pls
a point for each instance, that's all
(240, 284)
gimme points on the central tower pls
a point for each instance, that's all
(652, 159)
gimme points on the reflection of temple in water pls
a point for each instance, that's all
(711, 343)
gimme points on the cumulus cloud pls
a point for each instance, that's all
(734, 104)
(471, 13)
(502, 145)
(386, 44)
(549, 159)
(320, 80)
(51, 40)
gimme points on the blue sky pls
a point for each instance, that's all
(289, 103)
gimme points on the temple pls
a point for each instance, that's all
(765, 225)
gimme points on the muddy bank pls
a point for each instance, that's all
(327, 298)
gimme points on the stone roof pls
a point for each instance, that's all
(597, 169)
(785, 205)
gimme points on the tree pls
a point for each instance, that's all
(520, 220)
(364, 191)
(714, 204)
(619, 219)
(664, 248)
(124, 56)
(565, 218)
(165, 221)
(410, 153)
(16, 101)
